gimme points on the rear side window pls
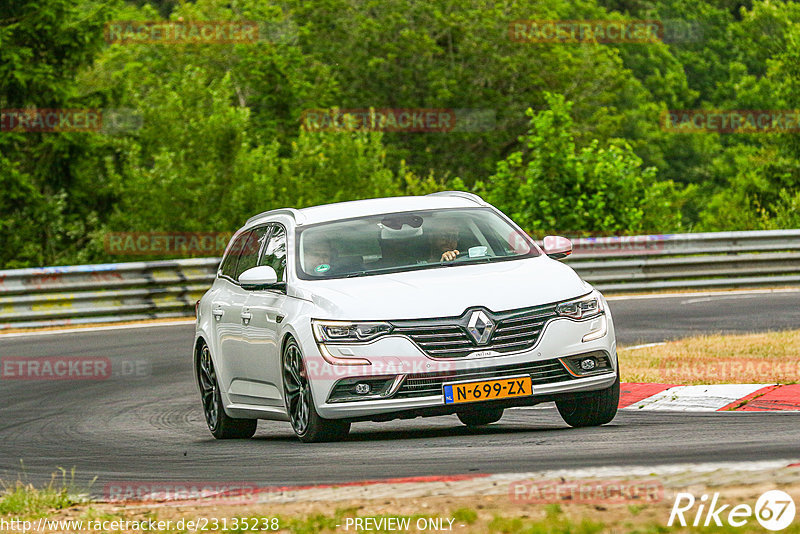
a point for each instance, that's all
(275, 251)
(248, 255)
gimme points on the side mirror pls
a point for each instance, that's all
(557, 247)
(261, 277)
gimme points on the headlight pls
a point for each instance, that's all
(582, 308)
(347, 332)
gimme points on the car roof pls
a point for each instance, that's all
(375, 206)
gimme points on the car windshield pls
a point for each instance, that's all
(408, 241)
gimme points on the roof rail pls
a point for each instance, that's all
(461, 194)
(295, 214)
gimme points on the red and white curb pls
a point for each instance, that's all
(710, 398)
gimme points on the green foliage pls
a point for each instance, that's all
(20, 201)
(43, 199)
(221, 138)
(787, 211)
(555, 522)
(555, 186)
(446, 54)
(465, 515)
(22, 499)
(764, 179)
(25, 499)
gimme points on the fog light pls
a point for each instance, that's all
(362, 389)
(588, 364)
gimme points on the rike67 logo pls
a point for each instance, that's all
(774, 510)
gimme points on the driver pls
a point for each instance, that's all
(443, 243)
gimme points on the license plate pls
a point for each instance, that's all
(483, 390)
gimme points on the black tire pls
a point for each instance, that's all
(480, 417)
(219, 423)
(306, 422)
(596, 409)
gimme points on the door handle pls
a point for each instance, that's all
(246, 316)
(217, 312)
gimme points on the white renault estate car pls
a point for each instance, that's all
(390, 308)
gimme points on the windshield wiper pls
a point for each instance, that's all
(462, 261)
(382, 270)
(405, 268)
(388, 270)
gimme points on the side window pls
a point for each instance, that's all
(228, 267)
(275, 252)
(249, 254)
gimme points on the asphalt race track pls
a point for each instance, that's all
(651, 319)
(151, 428)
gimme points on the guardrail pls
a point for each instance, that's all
(160, 289)
(689, 261)
(103, 293)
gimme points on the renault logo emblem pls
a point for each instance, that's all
(480, 327)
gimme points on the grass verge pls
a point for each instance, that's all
(22, 499)
(463, 514)
(764, 358)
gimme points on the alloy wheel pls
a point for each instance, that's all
(208, 388)
(298, 393)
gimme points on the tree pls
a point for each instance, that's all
(43, 187)
(458, 55)
(555, 186)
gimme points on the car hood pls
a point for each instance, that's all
(446, 291)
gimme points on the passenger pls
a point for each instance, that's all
(318, 254)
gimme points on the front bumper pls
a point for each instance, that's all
(382, 410)
(397, 361)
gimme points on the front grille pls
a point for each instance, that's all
(440, 341)
(426, 384)
(448, 337)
